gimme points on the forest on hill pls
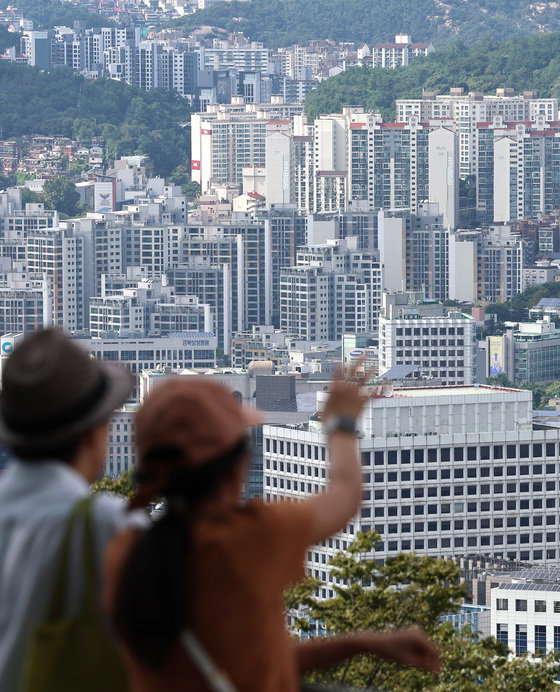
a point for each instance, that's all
(525, 62)
(64, 103)
(285, 22)
(50, 13)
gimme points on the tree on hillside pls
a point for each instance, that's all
(60, 193)
(527, 62)
(410, 590)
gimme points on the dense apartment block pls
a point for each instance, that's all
(226, 139)
(468, 109)
(399, 53)
(353, 158)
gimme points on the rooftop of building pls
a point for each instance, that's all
(529, 586)
(465, 390)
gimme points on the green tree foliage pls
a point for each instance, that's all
(60, 193)
(517, 309)
(500, 380)
(412, 590)
(284, 22)
(178, 176)
(528, 62)
(8, 39)
(50, 13)
(192, 190)
(122, 486)
(64, 103)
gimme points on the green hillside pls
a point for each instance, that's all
(527, 62)
(64, 103)
(284, 22)
(50, 13)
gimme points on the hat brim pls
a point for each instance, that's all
(119, 384)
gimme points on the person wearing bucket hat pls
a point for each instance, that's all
(197, 599)
(54, 409)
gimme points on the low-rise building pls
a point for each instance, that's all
(525, 614)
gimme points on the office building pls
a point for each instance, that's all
(447, 471)
(190, 350)
(529, 353)
(525, 614)
(413, 331)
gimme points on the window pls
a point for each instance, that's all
(521, 605)
(501, 604)
(502, 633)
(540, 606)
(556, 639)
(540, 638)
(520, 639)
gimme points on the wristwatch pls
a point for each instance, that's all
(345, 424)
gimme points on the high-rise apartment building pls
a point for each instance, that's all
(518, 171)
(485, 264)
(334, 289)
(58, 255)
(414, 251)
(226, 139)
(399, 53)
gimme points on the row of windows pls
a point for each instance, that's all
(459, 507)
(539, 606)
(405, 545)
(460, 473)
(502, 635)
(419, 456)
(471, 453)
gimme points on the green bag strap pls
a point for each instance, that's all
(60, 588)
(89, 601)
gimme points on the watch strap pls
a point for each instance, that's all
(345, 424)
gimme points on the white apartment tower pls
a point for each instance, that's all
(279, 156)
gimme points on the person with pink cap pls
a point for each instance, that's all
(197, 599)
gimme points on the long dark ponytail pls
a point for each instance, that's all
(152, 602)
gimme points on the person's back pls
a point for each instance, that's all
(53, 412)
(242, 562)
